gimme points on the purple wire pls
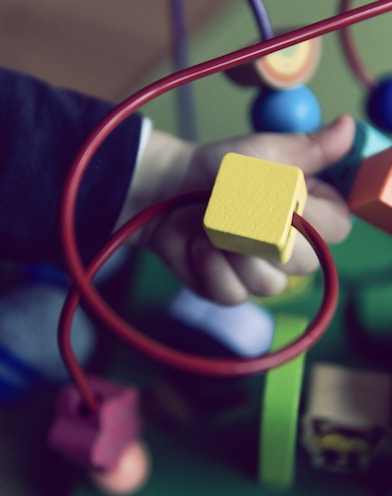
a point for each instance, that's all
(262, 19)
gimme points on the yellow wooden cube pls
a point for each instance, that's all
(251, 207)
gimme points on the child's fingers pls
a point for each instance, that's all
(260, 277)
(311, 152)
(331, 219)
(325, 146)
(215, 279)
(230, 278)
(226, 278)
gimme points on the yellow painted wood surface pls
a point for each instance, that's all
(251, 207)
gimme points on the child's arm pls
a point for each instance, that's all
(41, 130)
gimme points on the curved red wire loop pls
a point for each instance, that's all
(170, 356)
(81, 277)
(350, 52)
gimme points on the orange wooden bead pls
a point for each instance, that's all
(130, 474)
(370, 197)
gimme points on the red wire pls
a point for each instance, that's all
(351, 54)
(82, 277)
(185, 361)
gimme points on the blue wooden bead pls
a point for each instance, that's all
(379, 104)
(292, 110)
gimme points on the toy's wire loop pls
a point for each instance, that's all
(170, 356)
(351, 53)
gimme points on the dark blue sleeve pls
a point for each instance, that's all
(41, 130)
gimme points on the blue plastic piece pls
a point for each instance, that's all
(379, 104)
(368, 141)
(292, 110)
(42, 273)
(16, 377)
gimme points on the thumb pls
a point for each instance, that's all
(328, 145)
(311, 152)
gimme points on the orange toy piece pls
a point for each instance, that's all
(129, 476)
(370, 197)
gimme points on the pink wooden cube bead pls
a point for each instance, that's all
(96, 439)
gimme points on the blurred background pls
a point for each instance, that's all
(110, 49)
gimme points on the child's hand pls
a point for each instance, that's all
(179, 239)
